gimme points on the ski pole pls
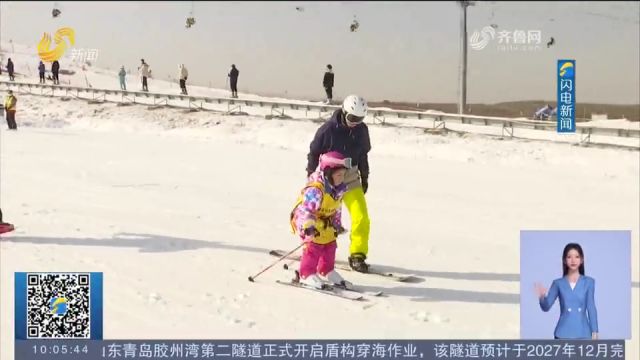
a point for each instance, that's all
(252, 278)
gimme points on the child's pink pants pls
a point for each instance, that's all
(317, 258)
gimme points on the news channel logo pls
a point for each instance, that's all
(566, 109)
(49, 54)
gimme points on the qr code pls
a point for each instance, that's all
(58, 305)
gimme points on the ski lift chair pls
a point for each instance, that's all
(354, 26)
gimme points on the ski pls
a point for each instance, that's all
(329, 290)
(344, 266)
(352, 288)
(357, 290)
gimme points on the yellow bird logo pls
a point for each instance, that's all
(57, 303)
(44, 46)
(566, 68)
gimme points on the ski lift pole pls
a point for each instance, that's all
(462, 101)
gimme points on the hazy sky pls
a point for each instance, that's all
(402, 50)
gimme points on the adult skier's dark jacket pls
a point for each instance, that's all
(233, 74)
(327, 81)
(335, 135)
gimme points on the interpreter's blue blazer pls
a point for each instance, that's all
(578, 315)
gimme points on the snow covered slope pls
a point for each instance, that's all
(178, 209)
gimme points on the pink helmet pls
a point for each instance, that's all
(334, 160)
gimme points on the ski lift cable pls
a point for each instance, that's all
(589, 12)
(611, 17)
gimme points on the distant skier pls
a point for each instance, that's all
(346, 132)
(316, 218)
(144, 73)
(233, 80)
(121, 76)
(182, 75)
(543, 113)
(10, 102)
(55, 69)
(327, 83)
(41, 70)
(10, 70)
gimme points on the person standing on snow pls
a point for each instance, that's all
(10, 70)
(347, 133)
(121, 75)
(144, 73)
(327, 83)
(10, 108)
(182, 75)
(55, 69)
(233, 80)
(41, 70)
(316, 218)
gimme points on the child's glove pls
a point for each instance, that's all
(310, 233)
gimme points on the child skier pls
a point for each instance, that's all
(316, 218)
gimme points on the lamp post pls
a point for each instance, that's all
(462, 101)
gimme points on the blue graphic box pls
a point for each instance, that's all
(58, 305)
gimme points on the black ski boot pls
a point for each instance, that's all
(356, 262)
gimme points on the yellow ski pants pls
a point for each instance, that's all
(357, 206)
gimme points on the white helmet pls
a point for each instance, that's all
(355, 105)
